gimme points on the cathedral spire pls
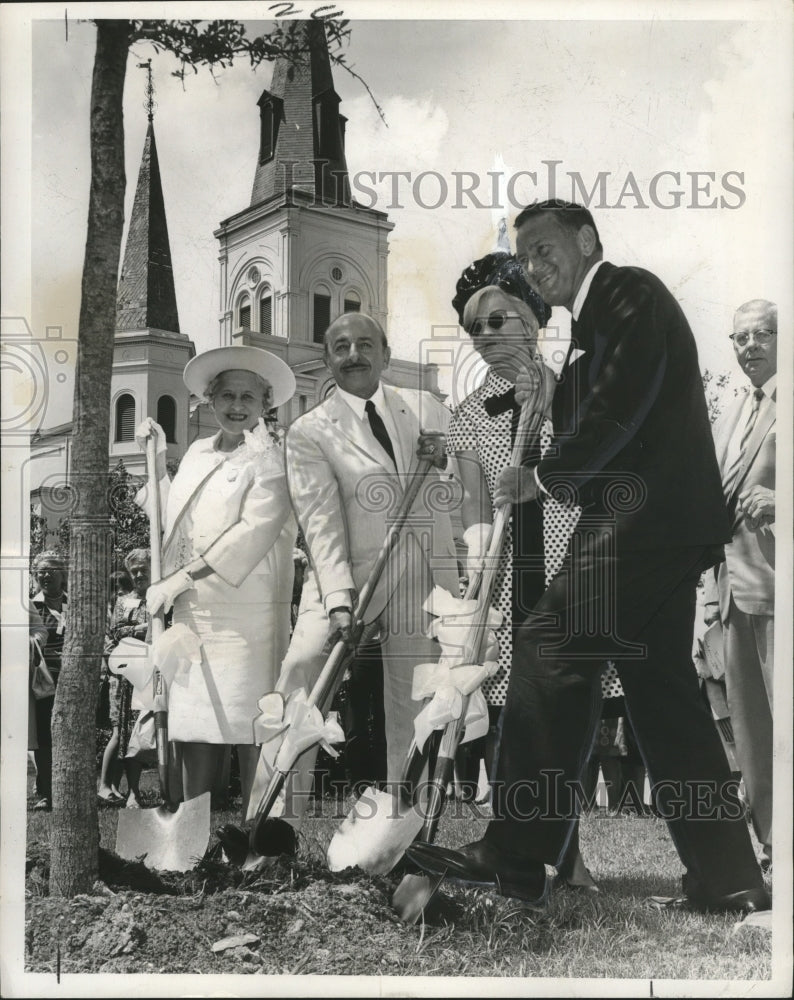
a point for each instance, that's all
(146, 295)
(302, 133)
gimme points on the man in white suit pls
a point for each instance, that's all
(346, 471)
(744, 596)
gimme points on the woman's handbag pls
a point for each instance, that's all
(41, 682)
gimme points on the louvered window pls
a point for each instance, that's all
(322, 316)
(125, 418)
(266, 314)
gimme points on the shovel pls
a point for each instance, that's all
(267, 835)
(174, 836)
(414, 892)
(381, 824)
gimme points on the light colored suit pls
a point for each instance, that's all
(746, 595)
(344, 489)
(233, 510)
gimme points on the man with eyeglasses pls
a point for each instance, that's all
(633, 444)
(744, 596)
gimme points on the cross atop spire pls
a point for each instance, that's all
(302, 133)
(150, 103)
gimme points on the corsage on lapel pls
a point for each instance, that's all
(260, 451)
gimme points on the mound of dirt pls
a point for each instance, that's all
(294, 916)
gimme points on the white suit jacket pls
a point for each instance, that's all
(241, 520)
(344, 489)
(748, 573)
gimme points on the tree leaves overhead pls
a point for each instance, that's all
(217, 43)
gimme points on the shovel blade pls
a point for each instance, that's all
(413, 894)
(374, 834)
(164, 840)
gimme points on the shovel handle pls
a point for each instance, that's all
(442, 775)
(159, 688)
(342, 651)
(482, 583)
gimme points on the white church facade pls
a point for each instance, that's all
(300, 254)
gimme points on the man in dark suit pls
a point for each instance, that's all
(744, 597)
(633, 446)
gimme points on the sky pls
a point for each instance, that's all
(625, 105)
(606, 89)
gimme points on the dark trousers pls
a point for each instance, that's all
(43, 755)
(638, 610)
(365, 748)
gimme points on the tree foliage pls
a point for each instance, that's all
(73, 829)
(715, 386)
(38, 533)
(214, 44)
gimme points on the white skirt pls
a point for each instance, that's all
(244, 633)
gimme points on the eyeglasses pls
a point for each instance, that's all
(759, 336)
(495, 321)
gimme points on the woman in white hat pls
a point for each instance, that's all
(227, 569)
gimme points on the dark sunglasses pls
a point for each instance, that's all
(495, 321)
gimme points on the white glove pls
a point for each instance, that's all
(476, 539)
(165, 592)
(150, 427)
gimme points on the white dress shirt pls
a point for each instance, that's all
(343, 598)
(732, 452)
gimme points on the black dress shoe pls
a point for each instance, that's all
(234, 841)
(479, 864)
(273, 837)
(745, 901)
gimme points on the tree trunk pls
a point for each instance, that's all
(74, 827)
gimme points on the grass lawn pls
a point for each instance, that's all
(308, 921)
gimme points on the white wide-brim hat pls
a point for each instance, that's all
(202, 369)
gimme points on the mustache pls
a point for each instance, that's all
(351, 366)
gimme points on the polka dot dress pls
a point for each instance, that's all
(473, 430)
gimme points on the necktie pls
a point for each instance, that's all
(731, 478)
(758, 395)
(379, 430)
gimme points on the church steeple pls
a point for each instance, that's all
(302, 133)
(146, 296)
(149, 352)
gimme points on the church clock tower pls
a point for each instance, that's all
(303, 252)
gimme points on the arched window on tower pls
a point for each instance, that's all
(244, 313)
(321, 313)
(266, 311)
(352, 302)
(125, 418)
(166, 417)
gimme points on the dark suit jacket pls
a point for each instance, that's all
(632, 432)
(748, 573)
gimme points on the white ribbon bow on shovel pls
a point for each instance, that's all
(447, 682)
(446, 687)
(173, 653)
(304, 727)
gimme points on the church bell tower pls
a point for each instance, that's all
(303, 252)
